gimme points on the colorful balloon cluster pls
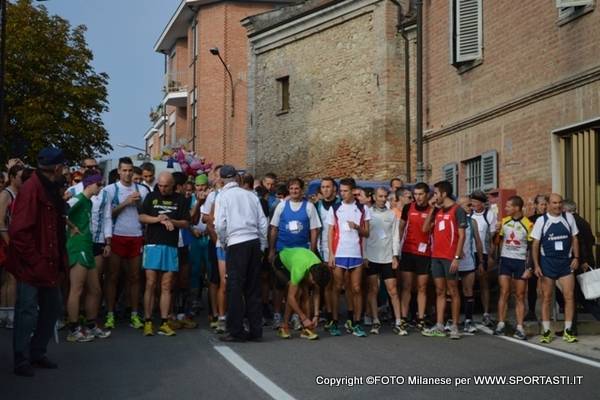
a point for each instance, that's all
(190, 164)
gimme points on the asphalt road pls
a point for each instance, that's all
(188, 366)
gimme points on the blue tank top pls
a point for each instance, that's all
(294, 227)
(556, 240)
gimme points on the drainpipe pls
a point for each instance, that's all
(420, 166)
(407, 124)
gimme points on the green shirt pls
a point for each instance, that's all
(80, 214)
(298, 261)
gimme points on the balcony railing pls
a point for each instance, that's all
(175, 81)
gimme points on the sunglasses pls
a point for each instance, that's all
(90, 166)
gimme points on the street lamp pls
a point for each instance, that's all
(215, 52)
(131, 147)
(3, 59)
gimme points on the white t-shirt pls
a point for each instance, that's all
(313, 217)
(467, 263)
(323, 244)
(208, 206)
(384, 236)
(128, 221)
(349, 242)
(486, 229)
(540, 227)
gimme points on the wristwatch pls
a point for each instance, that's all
(457, 257)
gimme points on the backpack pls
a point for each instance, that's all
(115, 200)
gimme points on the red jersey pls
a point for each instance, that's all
(445, 233)
(415, 240)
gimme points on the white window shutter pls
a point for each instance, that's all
(450, 172)
(489, 170)
(573, 3)
(469, 30)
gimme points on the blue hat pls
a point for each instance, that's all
(227, 171)
(50, 156)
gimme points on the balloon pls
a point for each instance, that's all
(196, 165)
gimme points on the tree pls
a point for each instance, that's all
(53, 94)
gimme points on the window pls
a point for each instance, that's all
(481, 173)
(284, 92)
(450, 173)
(568, 10)
(466, 31)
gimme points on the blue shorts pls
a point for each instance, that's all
(221, 254)
(512, 267)
(555, 268)
(348, 262)
(160, 257)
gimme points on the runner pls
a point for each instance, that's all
(486, 223)
(382, 251)
(514, 235)
(148, 172)
(198, 244)
(83, 272)
(164, 213)
(348, 225)
(295, 223)
(416, 254)
(329, 198)
(123, 201)
(447, 221)
(8, 291)
(472, 252)
(302, 273)
(540, 207)
(555, 257)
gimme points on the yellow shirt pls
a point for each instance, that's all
(515, 234)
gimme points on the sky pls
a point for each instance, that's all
(121, 34)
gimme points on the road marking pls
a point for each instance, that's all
(253, 374)
(548, 350)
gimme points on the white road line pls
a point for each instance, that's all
(548, 350)
(253, 374)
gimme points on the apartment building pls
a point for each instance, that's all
(204, 106)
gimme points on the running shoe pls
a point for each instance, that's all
(367, 321)
(348, 326)
(174, 324)
(420, 325)
(188, 323)
(148, 328)
(357, 331)
(110, 321)
(284, 333)
(454, 334)
(296, 324)
(469, 327)
(433, 332)
(448, 326)
(519, 334)
(375, 328)
(399, 330)
(165, 330)
(403, 324)
(79, 336)
(99, 333)
(328, 325)
(136, 322)
(486, 320)
(276, 321)
(214, 323)
(220, 326)
(334, 330)
(499, 331)
(569, 336)
(546, 337)
(308, 334)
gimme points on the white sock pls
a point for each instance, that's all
(276, 315)
(440, 326)
(134, 313)
(520, 328)
(222, 318)
(546, 325)
(398, 322)
(180, 317)
(376, 321)
(568, 324)
(501, 325)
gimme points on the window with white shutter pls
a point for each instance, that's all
(450, 173)
(569, 10)
(489, 170)
(467, 30)
(573, 3)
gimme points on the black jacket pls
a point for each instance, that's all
(587, 241)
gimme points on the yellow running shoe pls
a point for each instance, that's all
(136, 322)
(308, 334)
(284, 333)
(148, 328)
(165, 330)
(568, 336)
(188, 323)
(174, 324)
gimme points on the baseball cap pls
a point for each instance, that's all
(227, 171)
(201, 180)
(50, 156)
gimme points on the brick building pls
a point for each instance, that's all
(199, 108)
(512, 97)
(326, 86)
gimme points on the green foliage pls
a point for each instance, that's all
(53, 94)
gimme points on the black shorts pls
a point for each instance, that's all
(98, 249)
(485, 260)
(385, 270)
(419, 265)
(213, 267)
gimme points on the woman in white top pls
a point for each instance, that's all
(382, 248)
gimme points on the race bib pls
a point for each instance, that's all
(442, 225)
(422, 247)
(293, 226)
(558, 245)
